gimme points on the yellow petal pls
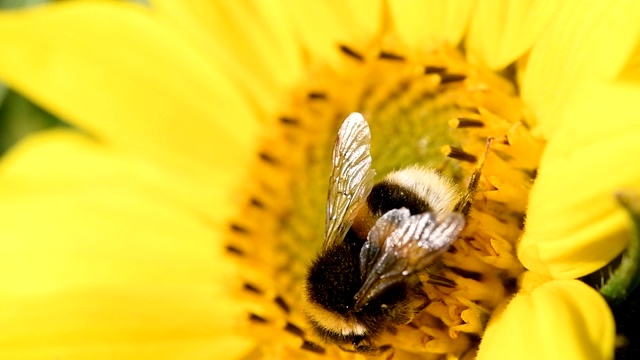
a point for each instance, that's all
(574, 225)
(501, 31)
(62, 160)
(427, 24)
(561, 319)
(585, 41)
(255, 41)
(138, 85)
(103, 263)
(322, 26)
(631, 71)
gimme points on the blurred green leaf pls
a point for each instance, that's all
(3, 93)
(19, 117)
(625, 278)
(14, 4)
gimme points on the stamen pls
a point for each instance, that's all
(257, 318)
(458, 154)
(256, 203)
(451, 78)
(351, 53)
(434, 70)
(289, 121)
(465, 123)
(293, 329)
(533, 174)
(316, 95)
(282, 304)
(268, 158)
(235, 250)
(390, 56)
(313, 347)
(510, 284)
(239, 229)
(252, 288)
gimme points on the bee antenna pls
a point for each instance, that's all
(464, 206)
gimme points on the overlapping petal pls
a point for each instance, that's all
(253, 40)
(574, 224)
(125, 77)
(99, 264)
(561, 319)
(322, 26)
(502, 31)
(427, 24)
(583, 41)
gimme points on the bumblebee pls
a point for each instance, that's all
(377, 238)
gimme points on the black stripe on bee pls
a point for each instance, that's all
(386, 196)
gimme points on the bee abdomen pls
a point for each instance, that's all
(334, 278)
(417, 188)
(386, 196)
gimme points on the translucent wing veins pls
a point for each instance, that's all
(351, 177)
(400, 244)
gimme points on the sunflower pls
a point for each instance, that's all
(178, 216)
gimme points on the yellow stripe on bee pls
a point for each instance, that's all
(334, 322)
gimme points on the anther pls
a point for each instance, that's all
(282, 304)
(257, 318)
(289, 121)
(293, 329)
(235, 250)
(316, 95)
(268, 158)
(252, 288)
(520, 218)
(434, 70)
(313, 347)
(351, 53)
(509, 283)
(390, 56)
(458, 154)
(256, 203)
(463, 122)
(238, 229)
(451, 78)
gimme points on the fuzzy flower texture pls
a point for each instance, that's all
(176, 216)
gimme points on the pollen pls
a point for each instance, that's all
(432, 109)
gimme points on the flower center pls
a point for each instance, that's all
(431, 109)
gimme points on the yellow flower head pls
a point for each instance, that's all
(179, 219)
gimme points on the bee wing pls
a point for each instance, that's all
(381, 231)
(399, 245)
(351, 177)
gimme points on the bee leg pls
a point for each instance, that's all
(377, 351)
(426, 301)
(464, 206)
(346, 349)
